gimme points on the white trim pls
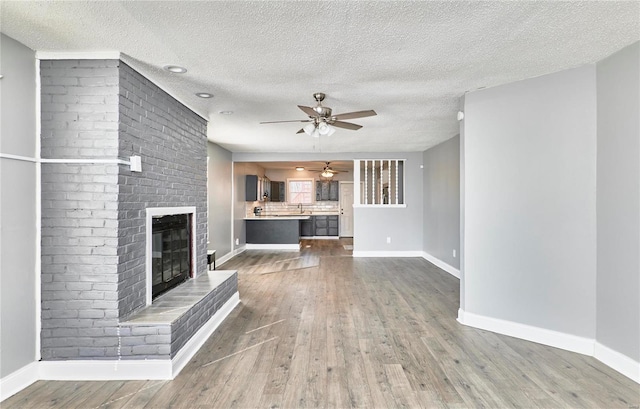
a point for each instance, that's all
(617, 361)
(542, 336)
(252, 246)
(18, 380)
(106, 370)
(184, 355)
(320, 237)
(18, 157)
(38, 246)
(134, 162)
(87, 161)
(166, 211)
(148, 369)
(387, 254)
(239, 250)
(441, 264)
(586, 346)
(220, 261)
(78, 55)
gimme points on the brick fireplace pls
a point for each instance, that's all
(94, 214)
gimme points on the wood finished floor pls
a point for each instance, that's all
(321, 329)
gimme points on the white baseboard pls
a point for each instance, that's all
(617, 361)
(320, 237)
(194, 344)
(229, 255)
(543, 336)
(387, 253)
(251, 246)
(586, 346)
(109, 370)
(441, 264)
(18, 380)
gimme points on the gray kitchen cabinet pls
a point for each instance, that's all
(256, 188)
(325, 225)
(334, 190)
(269, 231)
(251, 188)
(278, 191)
(327, 190)
(307, 228)
(321, 225)
(332, 225)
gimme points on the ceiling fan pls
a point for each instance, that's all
(322, 122)
(327, 171)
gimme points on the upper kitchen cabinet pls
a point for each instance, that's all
(278, 191)
(327, 190)
(251, 186)
(256, 188)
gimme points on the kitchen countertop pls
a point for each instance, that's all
(281, 217)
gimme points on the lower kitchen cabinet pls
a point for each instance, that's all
(325, 225)
(333, 225)
(306, 228)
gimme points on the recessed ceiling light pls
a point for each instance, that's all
(225, 112)
(175, 69)
(299, 168)
(204, 95)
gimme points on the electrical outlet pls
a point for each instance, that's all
(388, 240)
(237, 242)
(454, 253)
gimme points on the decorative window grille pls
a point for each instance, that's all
(382, 181)
(300, 191)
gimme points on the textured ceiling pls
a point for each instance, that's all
(410, 61)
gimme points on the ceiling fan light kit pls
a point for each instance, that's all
(322, 122)
(327, 171)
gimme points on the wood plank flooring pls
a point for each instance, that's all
(320, 329)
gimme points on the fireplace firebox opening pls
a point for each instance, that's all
(170, 252)
(170, 249)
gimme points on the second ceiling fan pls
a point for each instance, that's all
(322, 121)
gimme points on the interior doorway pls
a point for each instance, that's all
(346, 209)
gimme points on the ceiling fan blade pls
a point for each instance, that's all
(358, 114)
(308, 110)
(280, 122)
(346, 125)
(300, 131)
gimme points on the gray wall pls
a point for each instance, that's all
(372, 225)
(17, 207)
(441, 230)
(618, 199)
(530, 202)
(219, 190)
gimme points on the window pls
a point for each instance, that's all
(300, 191)
(382, 182)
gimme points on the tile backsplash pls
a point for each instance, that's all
(288, 208)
